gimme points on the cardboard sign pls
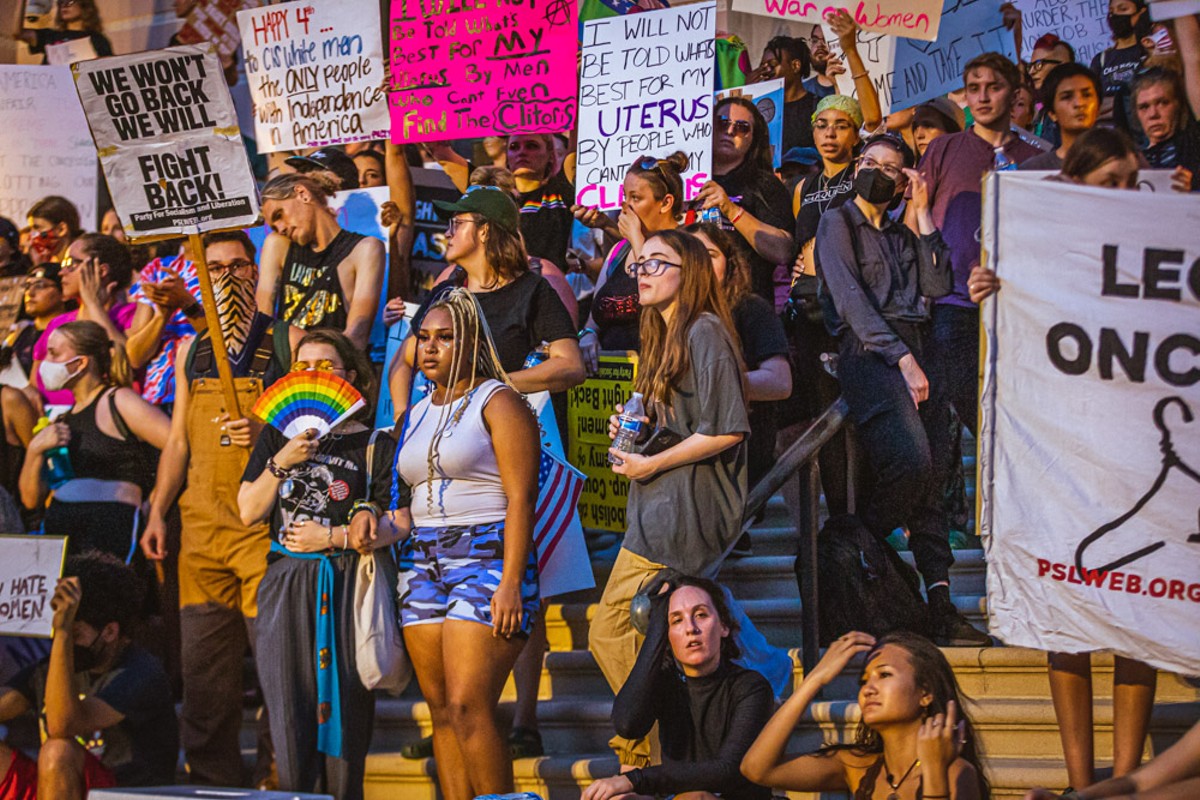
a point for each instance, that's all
(1090, 425)
(29, 572)
(12, 292)
(907, 72)
(589, 405)
(469, 68)
(44, 144)
(167, 137)
(1082, 25)
(215, 21)
(917, 19)
(646, 84)
(315, 73)
(67, 53)
(767, 97)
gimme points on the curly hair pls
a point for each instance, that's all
(110, 590)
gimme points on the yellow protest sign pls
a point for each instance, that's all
(589, 405)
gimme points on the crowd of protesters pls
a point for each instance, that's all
(853, 269)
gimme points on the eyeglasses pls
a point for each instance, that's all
(320, 365)
(1043, 63)
(39, 285)
(740, 127)
(455, 222)
(651, 267)
(887, 169)
(839, 127)
(239, 266)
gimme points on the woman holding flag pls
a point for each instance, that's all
(469, 584)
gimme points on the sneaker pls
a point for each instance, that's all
(422, 748)
(951, 629)
(525, 743)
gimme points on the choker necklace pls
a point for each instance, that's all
(895, 793)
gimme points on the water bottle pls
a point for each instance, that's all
(537, 356)
(629, 427)
(58, 467)
(1002, 163)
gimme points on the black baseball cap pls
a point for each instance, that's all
(10, 233)
(328, 158)
(490, 202)
(49, 270)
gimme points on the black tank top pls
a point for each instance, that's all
(311, 294)
(615, 307)
(95, 454)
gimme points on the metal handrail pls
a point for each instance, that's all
(801, 454)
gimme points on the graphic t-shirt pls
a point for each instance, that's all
(1116, 69)
(546, 219)
(312, 296)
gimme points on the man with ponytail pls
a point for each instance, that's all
(313, 274)
(221, 561)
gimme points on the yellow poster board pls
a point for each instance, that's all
(589, 405)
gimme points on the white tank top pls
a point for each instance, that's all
(466, 488)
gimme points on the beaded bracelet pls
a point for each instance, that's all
(276, 470)
(364, 505)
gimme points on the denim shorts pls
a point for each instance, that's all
(453, 572)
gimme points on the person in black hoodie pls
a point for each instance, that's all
(708, 709)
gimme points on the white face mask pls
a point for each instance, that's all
(56, 374)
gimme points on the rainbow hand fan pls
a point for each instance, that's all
(311, 399)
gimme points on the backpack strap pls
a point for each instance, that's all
(263, 354)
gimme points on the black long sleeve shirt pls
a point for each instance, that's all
(705, 724)
(884, 278)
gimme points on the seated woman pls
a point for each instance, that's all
(914, 740)
(708, 709)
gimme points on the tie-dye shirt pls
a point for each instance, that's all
(158, 387)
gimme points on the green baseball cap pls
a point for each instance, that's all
(490, 202)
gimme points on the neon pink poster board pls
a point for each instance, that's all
(471, 68)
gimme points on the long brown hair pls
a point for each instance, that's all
(504, 250)
(91, 340)
(736, 284)
(665, 357)
(89, 17)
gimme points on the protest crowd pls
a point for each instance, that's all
(749, 224)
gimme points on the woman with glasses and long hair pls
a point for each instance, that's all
(73, 19)
(915, 739)
(322, 497)
(469, 599)
(688, 485)
(651, 201)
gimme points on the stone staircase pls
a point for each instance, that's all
(1012, 709)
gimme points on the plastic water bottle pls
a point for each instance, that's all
(537, 356)
(629, 427)
(58, 461)
(1002, 162)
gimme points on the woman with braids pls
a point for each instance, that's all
(915, 740)
(323, 497)
(468, 601)
(686, 500)
(109, 433)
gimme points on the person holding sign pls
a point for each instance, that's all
(105, 703)
(75, 19)
(312, 273)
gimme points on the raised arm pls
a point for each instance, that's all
(846, 29)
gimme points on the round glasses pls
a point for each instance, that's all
(651, 267)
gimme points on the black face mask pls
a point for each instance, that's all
(1121, 25)
(88, 656)
(873, 186)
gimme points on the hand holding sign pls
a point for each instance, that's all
(65, 603)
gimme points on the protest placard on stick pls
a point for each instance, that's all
(646, 83)
(29, 572)
(315, 73)
(469, 68)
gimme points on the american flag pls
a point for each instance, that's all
(559, 487)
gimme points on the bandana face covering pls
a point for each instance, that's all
(235, 308)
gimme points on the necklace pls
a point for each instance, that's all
(829, 190)
(895, 793)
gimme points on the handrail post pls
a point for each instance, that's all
(806, 567)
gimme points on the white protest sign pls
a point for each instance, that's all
(29, 572)
(1083, 24)
(168, 139)
(315, 72)
(68, 52)
(1149, 180)
(645, 89)
(44, 144)
(907, 72)
(1173, 9)
(919, 19)
(1090, 432)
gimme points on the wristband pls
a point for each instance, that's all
(364, 505)
(737, 216)
(193, 310)
(276, 470)
(859, 75)
(345, 537)
(586, 331)
(329, 536)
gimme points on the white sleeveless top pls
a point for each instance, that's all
(466, 488)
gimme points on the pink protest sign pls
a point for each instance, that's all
(470, 68)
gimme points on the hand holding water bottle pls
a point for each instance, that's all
(626, 426)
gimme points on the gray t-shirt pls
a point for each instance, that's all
(1047, 160)
(688, 516)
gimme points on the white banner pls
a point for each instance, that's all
(645, 89)
(44, 144)
(918, 19)
(168, 139)
(907, 72)
(29, 572)
(315, 72)
(1090, 432)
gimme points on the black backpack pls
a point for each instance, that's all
(864, 585)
